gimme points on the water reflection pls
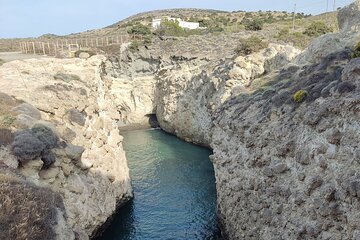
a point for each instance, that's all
(174, 189)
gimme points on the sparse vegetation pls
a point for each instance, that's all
(253, 25)
(170, 28)
(7, 120)
(27, 211)
(1, 62)
(134, 46)
(66, 77)
(300, 96)
(316, 29)
(298, 39)
(356, 52)
(139, 29)
(250, 45)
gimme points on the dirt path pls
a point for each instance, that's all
(10, 56)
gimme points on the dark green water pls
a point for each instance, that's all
(174, 189)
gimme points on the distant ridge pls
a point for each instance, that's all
(158, 13)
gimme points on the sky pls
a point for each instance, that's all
(32, 18)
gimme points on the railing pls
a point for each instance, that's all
(62, 46)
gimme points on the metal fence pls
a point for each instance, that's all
(61, 47)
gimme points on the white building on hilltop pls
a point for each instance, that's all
(188, 25)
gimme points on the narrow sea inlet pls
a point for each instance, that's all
(174, 190)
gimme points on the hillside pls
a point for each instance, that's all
(216, 22)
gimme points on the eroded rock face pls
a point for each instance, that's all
(87, 165)
(134, 99)
(189, 91)
(279, 163)
(284, 169)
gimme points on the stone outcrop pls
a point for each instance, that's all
(134, 99)
(285, 168)
(281, 163)
(87, 165)
(188, 92)
(348, 18)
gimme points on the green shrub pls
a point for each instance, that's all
(300, 96)
(250, 45)
(253, 25)
(134, 46)
(66, 77)
(139, 29)
(170, 28)
(298, 39)
(1, 62)
(147, 40)
(7, 120)
(356, 52)
(316, 29)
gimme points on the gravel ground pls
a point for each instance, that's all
(10, 56)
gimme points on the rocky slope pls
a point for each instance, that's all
(283, 125)
(286, 167)
(284, 130)
(60, 132)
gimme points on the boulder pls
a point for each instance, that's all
(24, 121)
(6, 99)
(75, 116)
(84, 55)
(28, 109)
(74, 152)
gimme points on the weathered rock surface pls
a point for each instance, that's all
(284, 170)
(188, 92)
(279, 163)
(134, 99)
(87, 167)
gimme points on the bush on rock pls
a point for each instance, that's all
(26, 146)
(250, 45)
(316, 29)
(356, 53)
(300, 96)
(33, 143)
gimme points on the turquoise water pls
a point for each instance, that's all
(174, 190)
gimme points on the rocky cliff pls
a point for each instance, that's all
(59, 131)
(285, 141)
(283, 125)
(284, 129)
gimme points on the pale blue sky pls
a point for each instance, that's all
(32, 18)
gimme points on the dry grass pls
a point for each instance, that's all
(7, 117)
(26, 211)
(6, 136)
